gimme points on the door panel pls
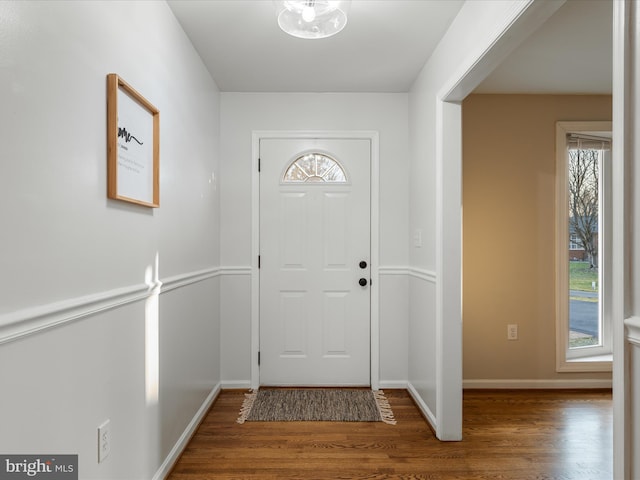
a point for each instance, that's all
(314, 315)
(335, 324)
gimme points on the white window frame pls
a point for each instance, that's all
(294, 162)
(585, 359)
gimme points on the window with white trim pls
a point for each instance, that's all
(315, 167)
(583, 205)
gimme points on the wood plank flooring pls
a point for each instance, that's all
(520, 435)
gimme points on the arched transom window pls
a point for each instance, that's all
(315, 167)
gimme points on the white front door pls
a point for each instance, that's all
(314, 256)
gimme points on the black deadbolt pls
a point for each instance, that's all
(363, 264)
(363, 282)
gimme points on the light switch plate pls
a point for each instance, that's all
(104, 441)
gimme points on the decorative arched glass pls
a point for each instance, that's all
(315, 167)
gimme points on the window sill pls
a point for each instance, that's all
(593, 358)
(595, 363)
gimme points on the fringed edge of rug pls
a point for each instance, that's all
(384, 408)
(247, 405)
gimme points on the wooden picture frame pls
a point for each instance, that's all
(133, 145)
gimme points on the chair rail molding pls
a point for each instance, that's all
(28, 321)
(235, 270)
(415, 272)
(632, 325)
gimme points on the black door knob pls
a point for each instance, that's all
(363, 264)
(363, 282)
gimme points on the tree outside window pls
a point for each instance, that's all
(583, 201)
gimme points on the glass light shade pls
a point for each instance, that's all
(312, 18)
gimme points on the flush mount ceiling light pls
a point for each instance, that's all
(312, 18)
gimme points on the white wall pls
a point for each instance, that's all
(626, 241)
(242, 113)
(70, 256)
(474, 44)
(632, 260)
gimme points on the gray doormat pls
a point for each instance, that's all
(316, 405)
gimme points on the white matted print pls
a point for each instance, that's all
(133, 144)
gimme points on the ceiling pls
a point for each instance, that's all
(382, 49)
(571, 53)
(385, 45)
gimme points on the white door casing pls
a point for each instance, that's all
(314, 314)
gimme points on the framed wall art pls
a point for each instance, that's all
(133, 145)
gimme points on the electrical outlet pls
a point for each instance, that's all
(512, 332)
(104, 441)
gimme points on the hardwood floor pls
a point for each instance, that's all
(520, 435)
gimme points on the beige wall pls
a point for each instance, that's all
(508, 231)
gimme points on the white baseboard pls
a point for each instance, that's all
(537, 384)
(246, 384)
(184, 439)
(426, 411)
(393, 384)
(236, 384)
